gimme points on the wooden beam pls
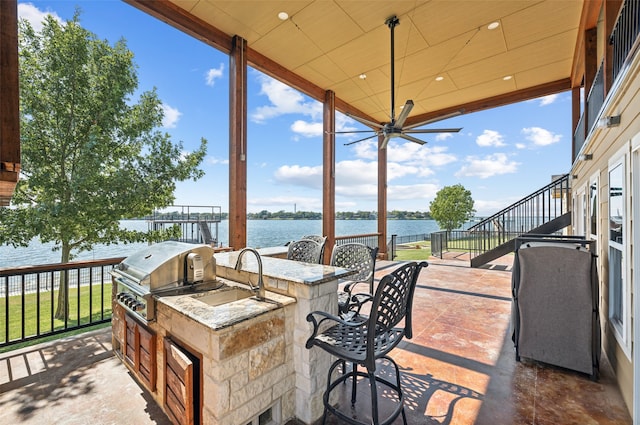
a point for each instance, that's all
(238, 144)
(496, 101)
(184, 21)
(329, 173)
(9, 101)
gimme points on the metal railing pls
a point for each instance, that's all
(529, 214)
(625, 43)
(624, 37)
(197, 223)
(31, 296)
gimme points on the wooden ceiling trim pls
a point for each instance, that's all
(280, 73)
(588, 19)
(496, 101)
(182, 20)
(185, 22)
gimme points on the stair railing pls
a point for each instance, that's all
(523, 216)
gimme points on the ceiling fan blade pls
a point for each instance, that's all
(385, 141)
(364, 121)
(429, 121)
(412, 139)
(361, 140)
(404, 113)
(352, 131)
(432, 130)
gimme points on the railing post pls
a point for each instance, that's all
(393, 246)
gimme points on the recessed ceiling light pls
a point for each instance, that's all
(363, 76)
(439, 78)
(493, 25)
(283, 16)
(507, 77)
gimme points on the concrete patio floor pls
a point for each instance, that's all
(458, 369)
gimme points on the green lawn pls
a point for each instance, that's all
(413, 251)
(45, 307)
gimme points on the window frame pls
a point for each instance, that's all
(621, 328)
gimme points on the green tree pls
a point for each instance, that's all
(452, 207)
(90, 155)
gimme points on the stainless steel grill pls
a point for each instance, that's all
(163, 268)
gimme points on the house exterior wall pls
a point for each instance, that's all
(607, 145)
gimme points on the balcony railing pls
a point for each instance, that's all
(29, 298)
(624, 40)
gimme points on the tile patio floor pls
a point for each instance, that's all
(458, 369)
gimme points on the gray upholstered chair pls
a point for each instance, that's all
(363, 342)
(305, 250)
(360, 258)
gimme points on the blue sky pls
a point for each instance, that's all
(501, 155)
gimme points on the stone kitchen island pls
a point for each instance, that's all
(225, 357)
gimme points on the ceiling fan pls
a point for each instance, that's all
(396, 127)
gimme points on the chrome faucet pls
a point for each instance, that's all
(260, 288)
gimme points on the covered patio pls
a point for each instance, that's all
(459, 368)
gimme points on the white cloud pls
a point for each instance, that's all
(521, 146)
(213, 74)
(540, 137)
(443, 136)
(307, 129)
(215, 160)
(548, 100)
(171, 116)
(490, 165)
(34, 15)
(486, 208)
(490, 138)
(283, 100)
(300, 175)
(410, 192)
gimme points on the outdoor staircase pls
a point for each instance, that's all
(545, 211)
(205, 233)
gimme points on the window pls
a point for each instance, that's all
(619, 292)
(593, 208)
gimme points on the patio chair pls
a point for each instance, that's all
(367, 340)
(305, 250)
(322, 240)
(362, 259)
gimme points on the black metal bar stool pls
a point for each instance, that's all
(364, 340)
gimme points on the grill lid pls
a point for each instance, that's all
(166, 265)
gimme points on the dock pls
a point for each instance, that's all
(198, 223)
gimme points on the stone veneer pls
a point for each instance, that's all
(246, 367)
(314, 287)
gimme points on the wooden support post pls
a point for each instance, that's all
(9, 101)
(238, 144)
(329, 173)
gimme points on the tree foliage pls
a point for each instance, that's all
(91, 156)
(452, 207)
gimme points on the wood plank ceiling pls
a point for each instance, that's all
(447, 58)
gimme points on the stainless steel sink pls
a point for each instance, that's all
(224, 295)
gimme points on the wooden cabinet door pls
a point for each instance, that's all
(140, 352)
(179, 385)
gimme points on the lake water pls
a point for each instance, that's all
(260, 233)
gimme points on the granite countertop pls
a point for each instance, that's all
(227, 314)
(282, 269)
